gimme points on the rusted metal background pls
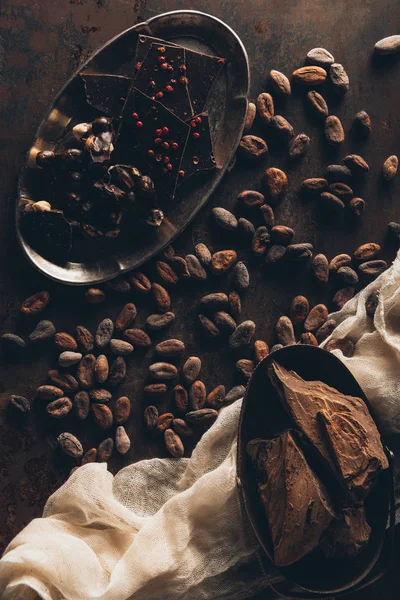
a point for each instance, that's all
(41, 44)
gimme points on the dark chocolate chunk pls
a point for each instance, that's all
(202, 71)
(106, 92)
(48, 232)
(198, 154)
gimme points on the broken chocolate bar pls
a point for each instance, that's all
(338, 426)
(348, 535)
(48, 232)
(106, 92)
(198, 154)
(296, 503)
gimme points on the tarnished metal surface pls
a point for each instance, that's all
(41, 44)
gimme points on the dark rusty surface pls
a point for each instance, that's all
(41, 44)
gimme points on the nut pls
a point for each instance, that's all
(284, 331)
(334, 131)
(342, 296)
(170, 348)
(339, 78)
(161, 297)
(242, 335)
(102, 416)
(95, 296)
(216, 397)
(117, 372)
(173, 443)
(224, 218)
(126, 316)
(122, 441)
(195, 268)
(251, 199)
(150, 417)
(318, 104)
(261, 350)
(181, 398)
(59, 408)
(70, 445)
(121, 348)
(81, 405)
(122, 410)
(65, 341)
(101, 368)
(316, 317)
(157, 322)
(140, 282)
(104, 333)
(36, 303)
(137, 337)
(250, 116)
(310, 75)
(191, 369)
(163, 371)
(252, 148)
(320, 267)
(299, 310)
(280, 84)
(85, 339)
(197, 395)
(203, 254)
(276, 183)
(166, 273)
(265, 107)
(222, 261)
(85, 371)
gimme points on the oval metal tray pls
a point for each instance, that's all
(227, 107)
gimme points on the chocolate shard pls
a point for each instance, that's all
(143, 46)
(348, 535)
(198, 156)
(201, 72)
(106, 92)
(296, 503)
(338, 426)
(48, 232)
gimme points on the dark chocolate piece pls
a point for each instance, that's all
(348, 535)
(201, 72)
(144, 44)
(296, 504)
(48, 232)
(198, 155)
(106, 92)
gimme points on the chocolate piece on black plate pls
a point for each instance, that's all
(198, 154)
(106, 92)
(143, 46)
(48, 232)
(201, 72)
(161, 137)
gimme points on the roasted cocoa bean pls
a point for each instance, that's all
(104, 333)
(320, 57)
(70, 445)
(347, 275)
(121, 286)
(150, 417)
(65, 341)
(81, 405)
(222, 261)
(246, 228)
(195, 268)
(341, 260)
(101, 368)
(250, 116)
(245, 367)
(180, 267)
(279, 83)
(320, 268)
(59, 408)
(49, 392)
(318, 104)
(65, 381)
(203, 254)
(314, 185)
(242, 335)
(158, 322)
(265, 107)
(372, 268)
(240, 276)
(100, 395)
(161, 297)
(197, 395)
(252, 148)
(163, 371)
(261, 350)
(173, 443)
(36, 303)
(168, 253)
(68, 359)
(268, 216)
(299, 252)
(12, 346)
(284, 331)
(84, 338)
(85, 371)
(356, 164)
(182, 428)
(89, 457)
(316, 317)
(251, 199)
(126, 316)
(170, 348)
(390, 167)
(276, 183)
(280, 234)
(224, 321)
(371, 303)
(338, 173)
(203, 417)
(346, 346)
(339, 78)
(309, 339)
(275, 254)
(181, 398)
(164, 422)
(95, 296)
(208, 326)
(282, 128)
(342, 296)
(311, 75)
(357, 206)
(19, 404)
(44, 330)
(299, 310)
(299, 145)
(122, 441)
(122, 410)
(276, 347)
(117, 372)
(105, 450)
(235, 304)
(362, 124)
(325, 330)
(102, 415)
(214, 301)
(366, 252)
(224, 218)
(334, 130)
(260, 241)
(331, 202)
(140, 282)
(120, 347)
(166, 273)
(234, 394)
(216, 397)
(155, 390)
(341, 191)
(388, 45)
(138, 338)
(191, 369)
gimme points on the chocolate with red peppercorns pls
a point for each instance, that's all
(106, 92)
(198, 156)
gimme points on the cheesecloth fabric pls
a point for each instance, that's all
(165, 529)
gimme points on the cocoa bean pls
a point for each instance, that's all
(65, 381)
(251, 199)
(252, 148)
(299, 145)
(163, 371)
(191, 369)
(280, 234)
(137, 337)
(19, 404)
(195, 268)
(261, 350)
(222, 261)
(235, 304)
(89, 457)
(181, 398)
(362, 124)
(104, 333)
(214, 301)
(68, 359)
(49, 392)
(320, 268)
(117, 372)
(279, 83)
(100, 395)
(105, 450)
(170, 348)
(357, 206)
(161, 297)
(299, 252)
(65, 341)
(276, 347)
(121, 286)
(338, 173)
(341, 191)
(390, 166)
(299, 310)
(371, 303)
(282, 128)
(331, 202)
(81, 405)
(234, 394)
(95, 296)
(155, 389)
(246, 227)
(12, 346)
(203, 417)
(318, 104)
(150, 417)
(346, 346)
(102, 415)
(316, 317)
(265, 107)
(180, 267)
(44, 330)
(158, 322)
(140, 282)
(166, 273)
(182, 428)
(242, 335)
(173, 443)
(203, 254)
(284, 331)
(347, 275)
(372, 268)
(85, 371)
(314, 185)
(36, 303)
(122, 410)
(388, 45)
(394, 232)
(250, 116)
(342, 296)
(224, 218)
(366, 252)
(276, 183)
(341, 260)
(260, 241)
(216, 397)
(309, 339)
(126, 316)
(224, 322)
(310, 75)
(164, 422)
(122, 441)
(339, 78)
(240, 276)
(101, 368)
(208, 326)
(325, 330)
(320, 57)
(334, 131)
(121, 348)
(245, 367)
(85, 339)
(59, 408)
(70, 445)
(197, 395)
(168, 253)
(356, 164)
(275, 254)
(267, 215)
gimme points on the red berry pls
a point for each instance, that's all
(158, 157)
(150, 152)
(161, 59)
(138, 65)
(135, 116)
(193, 123)
(139, 124)
(198, 120)
(195, 135)
(182, 68)
(170, 68)
(221, 61)
(169, 167)
(165, 130)
(173, 80)
(158, 140)
(169, 88)
(196, 160)
(159, 95)
(165, 145)
(181, 173)
(161, 49)
(175, 146)
(158, 132)
(184, 80)
(166, 159)
(152, 83)
(164, 66)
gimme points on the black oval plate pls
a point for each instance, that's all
(262, 416)
(227, 106)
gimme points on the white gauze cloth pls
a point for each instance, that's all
(165, 529)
